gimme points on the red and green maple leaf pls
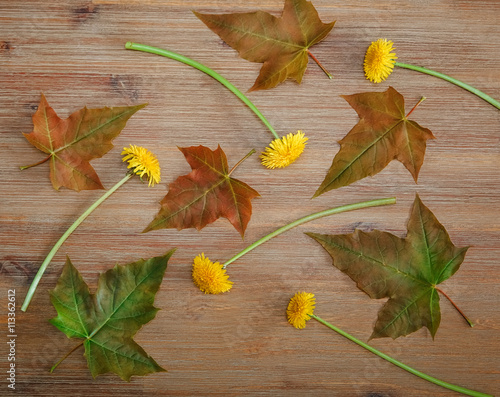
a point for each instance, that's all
(382, 134)
(281, 44)
(405, 270)
(71, 143)
(205, 194)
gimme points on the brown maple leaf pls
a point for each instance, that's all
(281, 44)
(382, 134)
(205, 194)
(72, 143)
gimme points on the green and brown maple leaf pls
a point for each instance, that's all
(205, 194)
(405, 270)
(71, 143)
(108, 320)
(281, 44)
(382, 134)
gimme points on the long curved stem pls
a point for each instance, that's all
(400, 364)
(63, 238)
(331, 211)
(207, 70)
(465, 86)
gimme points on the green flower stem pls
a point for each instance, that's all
(467, 87)
(331, 211)
(63, 238)
(204, 69)
(400, 364)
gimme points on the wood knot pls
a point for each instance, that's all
(17, 270)
(376, 395)
(5, 46)
(125, 86)
(82, 13)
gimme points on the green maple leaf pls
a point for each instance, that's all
(108, 320)
(405, 270)
(281, 44)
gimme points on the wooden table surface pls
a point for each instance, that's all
(240, 343)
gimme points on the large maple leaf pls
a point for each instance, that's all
(382, 134)
(281, 44)
(405, 270)
(72, 143)
(108, 320)
(205, 194)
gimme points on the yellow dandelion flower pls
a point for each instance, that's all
(142, 162)
(379, 60)
(210, 277)
(300, 308)
(284, 151)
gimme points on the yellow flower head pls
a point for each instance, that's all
(284, 151)
(299, 309)
(379, 60)
(210, 277)
(142, 162)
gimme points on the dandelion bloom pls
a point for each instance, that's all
(379, 60)
(210, 277)
(142, 162)
(300, 308)
(284, 151)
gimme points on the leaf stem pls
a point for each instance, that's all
(471, 324)
(66, 356)
(400, 364)
(414, 107)
(331, 211)
(34, 165)
(319, 64)
(465, 86)
(204, 69)
(241, 161)
(63, 238)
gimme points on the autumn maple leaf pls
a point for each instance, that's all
(405, 270)
(382, 134)
(72, 143)
(281, 44)
(205, 194)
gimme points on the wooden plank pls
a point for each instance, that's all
(239, 343)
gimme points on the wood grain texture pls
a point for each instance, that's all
(239, 343)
